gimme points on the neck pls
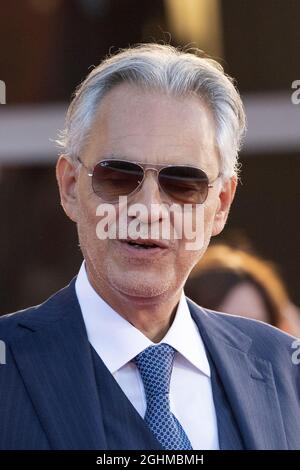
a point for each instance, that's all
(154, 323)
(153, 316)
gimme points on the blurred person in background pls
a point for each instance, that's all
(120, 358)
(238, 282)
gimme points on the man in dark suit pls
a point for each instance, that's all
(120, 358)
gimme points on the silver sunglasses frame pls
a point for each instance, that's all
(156, 167)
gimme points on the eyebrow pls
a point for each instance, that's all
(114, 156)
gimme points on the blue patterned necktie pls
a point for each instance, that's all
(155, 365)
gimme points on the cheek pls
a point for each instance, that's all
(87, 217)
(199, 228)
(204, 227)
(87, 227)
(209, 216)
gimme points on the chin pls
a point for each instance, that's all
(142, 288)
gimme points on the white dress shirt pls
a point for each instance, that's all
(117, 342)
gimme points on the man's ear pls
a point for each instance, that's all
(226, 196)
(66, 176)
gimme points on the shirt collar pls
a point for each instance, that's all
(117, 341)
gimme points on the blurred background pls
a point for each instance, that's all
(48, 47)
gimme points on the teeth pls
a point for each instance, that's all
(141, 245)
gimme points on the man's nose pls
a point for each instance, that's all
(149, 197)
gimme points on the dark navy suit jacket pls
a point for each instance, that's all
(49, 398)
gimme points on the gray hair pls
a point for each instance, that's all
(169, 70)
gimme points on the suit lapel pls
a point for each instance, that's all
(54, 358)
(248, 381)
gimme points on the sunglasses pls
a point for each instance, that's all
(112, 178)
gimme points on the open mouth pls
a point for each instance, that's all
(142, 245)
(146, 245)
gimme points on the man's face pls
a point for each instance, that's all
(151, 128)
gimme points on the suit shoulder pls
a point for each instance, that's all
(255, 328)
(9, 321)
(265, 339)
(41, 313)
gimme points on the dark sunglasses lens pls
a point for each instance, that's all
(114, 178)
(184, 184)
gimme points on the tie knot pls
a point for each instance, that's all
(155, 365)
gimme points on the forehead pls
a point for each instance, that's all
(153, 127)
